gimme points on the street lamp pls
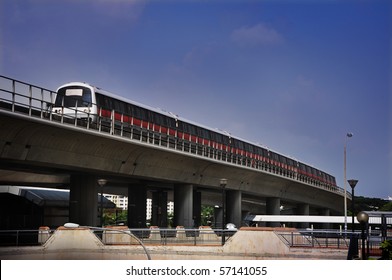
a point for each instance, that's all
(102, 183)
(223, 183)
(363, 219)
(352, 183)
(348, 135)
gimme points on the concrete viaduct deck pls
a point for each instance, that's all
(38, 148)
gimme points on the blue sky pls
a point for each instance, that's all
(295, 76)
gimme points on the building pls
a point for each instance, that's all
(30, 208)
(121, 202)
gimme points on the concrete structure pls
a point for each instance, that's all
(75, 154)
(247, 243)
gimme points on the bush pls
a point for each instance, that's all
(386, 247)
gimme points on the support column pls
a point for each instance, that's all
(325, 212)
(196, 209)
(302, 209)
(234, 207)
(159, 209)
(273, 208)
(218, 212)
(83, 200)
(137, 206)
(183, 205)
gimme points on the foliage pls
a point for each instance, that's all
(207, 215)
(386, 247)
(368, 204)
(111, 217)
(387, 207)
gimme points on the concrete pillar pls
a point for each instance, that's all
(137, 205)
(302, 209)
(159, 209)
(273, 208)
(325, 212)
(183, 205)
(83, 200)
(218, 212)
(234, 207)
(196, 209)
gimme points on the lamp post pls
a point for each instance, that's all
(102, 183)
(352, 183)
(223, 183)
(348, 135)
(363, 219)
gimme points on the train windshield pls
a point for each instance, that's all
(73, 97)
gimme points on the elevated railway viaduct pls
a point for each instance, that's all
(39, 148)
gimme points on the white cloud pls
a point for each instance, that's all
(257, 35)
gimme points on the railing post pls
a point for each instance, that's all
(30, 98)
(13, 95)
(194, 233)
(42, 102)
(76, 113)
(112, 122)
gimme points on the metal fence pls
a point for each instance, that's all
(33, 101)
(186, 237)
(315, 238)
(24, 237)
(332, 239)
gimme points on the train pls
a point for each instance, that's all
(82, 101)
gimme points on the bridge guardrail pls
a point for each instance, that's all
(22, 98)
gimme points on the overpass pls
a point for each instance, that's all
(38, 147)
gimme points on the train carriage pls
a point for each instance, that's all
(82, 101)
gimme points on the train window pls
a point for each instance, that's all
(100, 99)
(191, 129)
(206, 134)
(248, 147)
(73, 96)
(137, 112)
(199, 131)
(203, 133)
(217, 138)
(225, 140)
(106, 102)
(283, 159)
(275, 156)
(128, 109)
(180, 125)
(238, 144)
(157, 118)
(172, 122)
(118, 106)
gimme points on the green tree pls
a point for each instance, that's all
(387, 207)
(207, 215)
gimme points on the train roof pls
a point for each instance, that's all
(177, 117)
